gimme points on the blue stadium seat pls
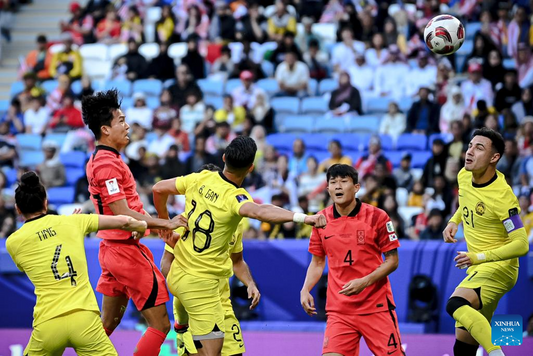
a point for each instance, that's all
(216, 101)
(319, 155)
(348, 141)
(314, 106)
(378, 105)
(29, 142)
(281, 140)
(150, 87)
(231, 84)
(327, 85)
(270, 86)
(58, 138)
(76, 87)
(509, 63)
(268, 68)
(211, 87)
(127, 102)
(471, 29)
(153, 102)
(74, 159)
(151, 136)
(4, 106)
(404, 104)
(16, 87)
(364, 124)
(73, 175)
(167, 83)
(30, 158)
(300, 123)
(285, 105)
(332, 125)
(315, 141)
(11, 176)
(123, 86)
(411, 142)
(420, 158)
(49, 85)
(312, 87)
(444, 137)
(387, 143)
(394, 157)
(354, 155)
(61, 195)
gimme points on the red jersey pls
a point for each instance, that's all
(110, 179)
(354, 245)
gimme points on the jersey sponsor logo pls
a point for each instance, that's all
(480, 208)
(390, 226)
(393, 237)
(360, 237)
(241, 197)
(112, 186)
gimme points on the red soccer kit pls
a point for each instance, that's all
(127, 266)
(354, 245)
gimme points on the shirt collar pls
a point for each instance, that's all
(354, 212)
(106, 148)
(35, 218)
(475, 185)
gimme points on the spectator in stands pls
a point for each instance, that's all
(223, 66)
(389, 204)
(184, 85)
(80, 25)
(480, 52)
(67, 61)
(172, 166)
(393, 122)
(283, 183)
(510, 162)
(161, 143)
(38, 61)
(518, 31)
(181, 137)
(490, 28)
(286, 45)
(362, 75)
(199, 157)
(424, 74)
(316, 60)
(510, 125)
(335, 149)
(423, 116)
(524, 65)
(416, 195)
(262, 113)
(444, 75)
(369, 27)
(222, 27)
(166, 25)
(452, 110)
(509, 94)
(195, 24)
(493, 69)
(108, 29)
(298, 162)
(373, 192)
(31, 90)
(8, 153)
(456, 146)
(252, 26)
(436, 164)
(404, 174)
(55, 98)
(280, 22)
(246, 94)
(36, 117)
(97, 9)
(377, 53)
(165, 113)
(343, 54)
(304, 38)
(162, 67)
(14, 118)
(292, 76)
(345, 99)
(216, 144)
(476, 87)
(390, 77)
(434, 227)
(367, 163)
(232, 114)
(51, 171)
(192, 113)
(332, 12)
(526, 215)
(136, 64)
(68, 117)
(139, 113)
(491, 122)
(7, 219)
(151, 174)
(524, 107)
(383, 174)
(392, 36)
(247, 62)
(132, 27)
(86, 88)
(193, 59)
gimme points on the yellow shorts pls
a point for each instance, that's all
(82, 330)
(200, 298)
(494, 280)
(233, 342)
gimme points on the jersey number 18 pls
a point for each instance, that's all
(198, 229)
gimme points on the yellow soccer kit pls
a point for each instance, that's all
(493, 233)
(50, 250)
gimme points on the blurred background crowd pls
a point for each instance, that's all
(314, 82)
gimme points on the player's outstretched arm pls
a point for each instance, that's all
(243, 273)
(161, 191)
(273, 214)
(314, 272)
(121, 222)
(120, 207)
(388, 266)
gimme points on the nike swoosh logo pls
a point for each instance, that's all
(391, 352)
(327, 237)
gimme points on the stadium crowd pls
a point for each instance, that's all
(344, 57)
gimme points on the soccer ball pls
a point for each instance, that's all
(444, 34)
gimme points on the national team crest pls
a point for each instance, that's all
(360, 237)
(480, 208)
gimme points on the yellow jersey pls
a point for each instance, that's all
(212, 204)
(50, 250)
(482, 209)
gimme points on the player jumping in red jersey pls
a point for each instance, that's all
(128, 269)
(359, 296)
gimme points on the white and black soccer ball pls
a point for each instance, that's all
(444, 34)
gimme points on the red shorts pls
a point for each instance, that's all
(129, 269)
(380, 331)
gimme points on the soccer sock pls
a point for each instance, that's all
(463, 349)
(107, 331)
(477, 326)
(150, 343)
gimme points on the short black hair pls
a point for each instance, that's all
(210, 167)
(98, 110)
(342, 171)
(42, 39)
(30, 194)
(240, 153)
(336, 142)
(498, 143)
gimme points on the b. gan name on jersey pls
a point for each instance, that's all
(209, 195)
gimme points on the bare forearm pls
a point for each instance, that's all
(272, 214)
(243, 273)
(153, 223)
(314, 273)
(160, 204)
(387, 267)
(161, 190)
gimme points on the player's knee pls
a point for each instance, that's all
(463, 349)
(455, 303)
(164, 326)
(110, 323)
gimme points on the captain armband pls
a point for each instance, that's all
(513, 223)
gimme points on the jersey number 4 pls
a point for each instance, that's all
(71, 272)
(200, 230)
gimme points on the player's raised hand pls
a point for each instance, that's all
(170, 237)
(308, 302)
(178, 221)
(254, 295)
(449, 233)
(318, 220)
(462, 260)
(355, 286)
(138, 228)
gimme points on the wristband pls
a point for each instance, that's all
(298, 217)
